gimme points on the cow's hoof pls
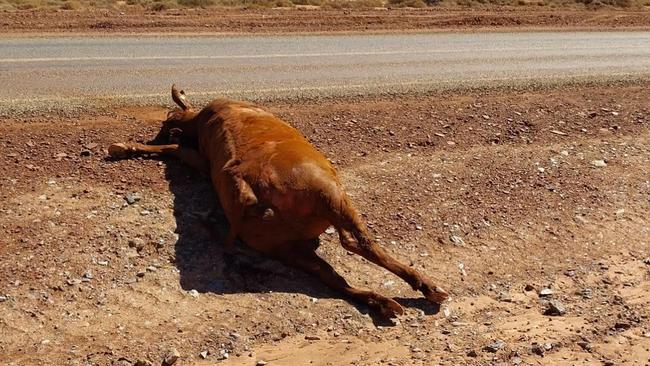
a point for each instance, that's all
(118, 151)
(435, 294)
(389, 308)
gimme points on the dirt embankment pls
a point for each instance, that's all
(220, 20)
(531, 208)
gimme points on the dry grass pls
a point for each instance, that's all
(161, 5)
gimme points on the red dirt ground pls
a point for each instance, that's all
(221, 20)
(495, 195)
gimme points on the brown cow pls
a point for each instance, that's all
(277, 191)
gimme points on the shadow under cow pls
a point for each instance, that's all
(200, 258)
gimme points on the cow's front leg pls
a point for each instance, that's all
(189, 156)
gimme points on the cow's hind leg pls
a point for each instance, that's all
(374, 253)
(303, 255)
(355, 238)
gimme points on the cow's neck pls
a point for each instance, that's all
(191, 125)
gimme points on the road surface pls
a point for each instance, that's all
(79, 70)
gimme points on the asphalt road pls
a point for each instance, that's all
(80, 70)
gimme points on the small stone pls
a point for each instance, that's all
(529, 287)
(132, 198)
(141, 273)
(143, 363)
(457, 240)
(505, 296)
(72, 282)
(194, 293)
(102, 263)
(312, 338)
(622, 326)
(581, 219)
(585, 346)
(3, 298)
(204, 354)
(647, 261)
(570, 273)
(555, 308)
(446, 312)
(461, 267)
(330, 230)
(260, 363)
(171, 357)
(472, 353)
(586, 293)
(223, 354)
(537, 349)
(545, 292)
(495, 346)
(85, 152)
(88, 274)
(136, 243)
(599, 163)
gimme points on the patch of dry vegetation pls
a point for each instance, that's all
(161, 5)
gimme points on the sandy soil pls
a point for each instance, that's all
(317, 20)
(510, 200)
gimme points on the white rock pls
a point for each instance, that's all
(599, 163)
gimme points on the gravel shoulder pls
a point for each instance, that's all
(529, 206)
(291, 20)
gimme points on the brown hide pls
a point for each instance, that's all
(284, 171)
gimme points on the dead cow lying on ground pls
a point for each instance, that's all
(277, 191)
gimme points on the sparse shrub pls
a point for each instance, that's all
(70, 5)
(308, 2)
(407, 3)
(196, 3)
(158, 6)
(352, 4)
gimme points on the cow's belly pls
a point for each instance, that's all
(291, 222)
(267, 235)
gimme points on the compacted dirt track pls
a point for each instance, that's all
(291, 20)
(529, 207)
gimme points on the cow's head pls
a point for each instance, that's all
(180, 124)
